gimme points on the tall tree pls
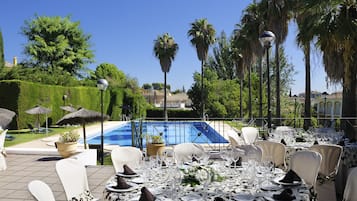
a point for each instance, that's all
(202, 36)
(336, 32)
(278, 14)
(305, 19)
(165, 49)
(2, 56)
(56, 43)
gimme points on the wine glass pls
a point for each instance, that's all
(204, 177)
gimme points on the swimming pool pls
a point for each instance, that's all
(173, 133)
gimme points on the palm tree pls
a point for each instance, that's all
(246, 38)
(165, 49)
(305, 19)
(202, 36)
(278, 15)
(238, 63)
(336, 33)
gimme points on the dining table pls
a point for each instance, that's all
(212, 180)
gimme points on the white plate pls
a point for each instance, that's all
(127, 175)
(191, 197)
(133, 187)
(270, 187)
(277, 181)
(244, 197)
(137, 180)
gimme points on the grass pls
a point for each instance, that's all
(25, 135)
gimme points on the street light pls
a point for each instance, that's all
(325, 97)
(102, 85)
(265, 39)
(295, 107)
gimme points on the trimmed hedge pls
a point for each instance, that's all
(172, 114)
(20, 96)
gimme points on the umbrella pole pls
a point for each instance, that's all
(46, 124)
(84, 136)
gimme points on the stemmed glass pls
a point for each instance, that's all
(204, 177)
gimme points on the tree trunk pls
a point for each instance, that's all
(165, 109)
(349, 102)
(307, 110)
(202, 95)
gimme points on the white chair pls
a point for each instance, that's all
(130, 156)
(41, 191)
(306, 164)
(183, 152)
(73, 176)
(274, 150)
(350, 193)
(3, 165)
(251, 152)
(250, 134)
(331, 156)
(233, 139)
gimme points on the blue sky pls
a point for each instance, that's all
(123, 33)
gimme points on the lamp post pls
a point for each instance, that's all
(325, 97)
(265, 39)
(295, 107)
(102, 85)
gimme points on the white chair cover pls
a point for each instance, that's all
(183, 152)
(251, 152)
(41, 191)
(73, 176)
(233, 139)
(131, 156)
(350, 193)
(3, 165)
(331, 156)
(275, 150)
(250, 134)
(306, 164)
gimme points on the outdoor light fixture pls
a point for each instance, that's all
(295, 107)
(325, 97)
(102, 85)
(265, 39)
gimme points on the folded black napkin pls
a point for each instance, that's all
(282, 141)
(290, 177)
(128, 170)
(316, 142)
(285, 195)
(218, 199)
(194, 158)
(341, 143)
(146, 195)
(121, 183)
(237, 163)
(300, 139)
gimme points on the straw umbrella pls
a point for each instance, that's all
(39, 110)
(81, 116)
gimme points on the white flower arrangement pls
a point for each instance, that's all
(196, 173)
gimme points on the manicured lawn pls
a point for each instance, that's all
(25, 135)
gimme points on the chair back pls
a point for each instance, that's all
(233, 139)
(2, 139)
(350, 193)
(41, 191)
(183, 152)
(306, 164)
(274, 150)
(250, 134)
(130, 156)
(251, 152)
(331, 156)
(73, 176)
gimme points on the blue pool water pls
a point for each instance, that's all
(173, 133)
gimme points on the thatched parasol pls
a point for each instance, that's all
(6, 117)
(39, 110)
(82, 116)
(68, 108)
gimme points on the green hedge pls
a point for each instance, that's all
(20, 96)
